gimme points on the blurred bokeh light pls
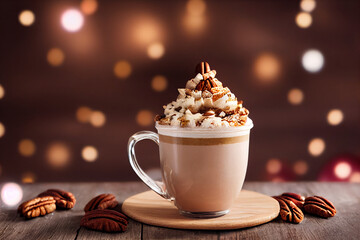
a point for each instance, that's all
(295, 96)
(122, 69)
(72, 20)
(335, 117)
(303, 20)
(159, 83)
(196, 7)
(300, 167)
(313, 60)
(26, 18)
(89, 153)
(83, 114)
(2, 92)
(55, 57)
(342, 170)
(194, 20)
(11, 194)
(2, 130)
(156, 50)
(58, 155)
(273, 166)
(27, 147)
(146, 30)
(89, 7)
(28, 177)
(316, 146)
(267, 67)
(97, 118)
(308, 5)
(145, 118)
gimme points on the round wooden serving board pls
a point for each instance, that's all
(250, 209)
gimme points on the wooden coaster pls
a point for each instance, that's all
(250, 209)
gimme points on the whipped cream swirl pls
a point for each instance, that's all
(205, 103)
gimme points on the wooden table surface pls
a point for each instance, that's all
(66, 224)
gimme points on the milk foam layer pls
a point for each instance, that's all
(204, 103)
(203, 132)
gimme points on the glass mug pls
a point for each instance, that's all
(203, 170)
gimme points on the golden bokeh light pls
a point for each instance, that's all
(303, 20)
(89, 153)
(2, 92)
(122, 69)
(97, 119)
(146, 30)
(156, 50)
(26, 18)
(159, 83)
(316, 146)
(342, 170)
(58, 155)
(26, 147)
(196, 7)
(300, 167)
(273, 166)
(308, 5)
(72, 20)
(88, 7)
(55, 57)
(194, 23)
(335, 117)
(295, 96)
(145, 118)
(28, 177)
(194, 20)
(2, 130)
(11, 194)
(267, 67)
(355, 177)
(83, 114)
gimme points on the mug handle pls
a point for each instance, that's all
(158, 187)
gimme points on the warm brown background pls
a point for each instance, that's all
(41, 100)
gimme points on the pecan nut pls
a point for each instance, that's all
(105, 220)
(319, 206)
(295, 198)
(289, 212)
(39, 206)
(102, 201)
(206, 84)
(64, 200)
(202, 68)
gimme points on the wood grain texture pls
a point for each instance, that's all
(249, 209)
(66, 224)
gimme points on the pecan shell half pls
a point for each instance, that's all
(39, 206)
(64, 200)
(289, 212)
(295, 198)
(319, 206)
(105, 220)
(103, 201)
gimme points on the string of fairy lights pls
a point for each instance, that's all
(267, 67)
